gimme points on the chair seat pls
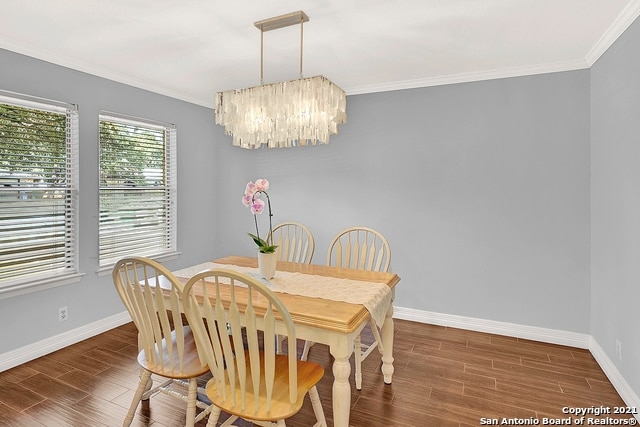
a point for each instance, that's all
(309, 373)
(191, 364)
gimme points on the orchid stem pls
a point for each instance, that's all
(255, 218)
(270, 236)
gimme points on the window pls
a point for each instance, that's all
(38, 192)
(137, 188)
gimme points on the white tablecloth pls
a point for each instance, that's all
(376, 297)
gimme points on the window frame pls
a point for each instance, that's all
(105, 263)
(68, 271)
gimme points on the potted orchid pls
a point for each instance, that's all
(252, 198)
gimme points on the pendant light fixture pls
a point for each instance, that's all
(285, 114)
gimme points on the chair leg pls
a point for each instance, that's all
(148, 386)
(192, 395)
(145, 377)
(358, 361)
(279, 340)
(305, 350)
(316, 404)
(214, 416)
(376, 335)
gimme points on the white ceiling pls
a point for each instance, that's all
(190, 49)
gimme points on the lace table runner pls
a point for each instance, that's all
(376, 297)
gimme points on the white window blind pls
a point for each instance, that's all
(38, 190)
(137, 188)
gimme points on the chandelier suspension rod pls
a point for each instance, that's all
(301, 38)
(261, 55)
(280, 22)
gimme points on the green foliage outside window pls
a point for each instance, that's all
(32, 148)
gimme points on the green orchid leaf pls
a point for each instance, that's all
(261, 243)
(263, 246)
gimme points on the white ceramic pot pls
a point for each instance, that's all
(267, 264)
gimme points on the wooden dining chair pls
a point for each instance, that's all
(152, 295)
(295, 242)
(359, 248)
(235, 319)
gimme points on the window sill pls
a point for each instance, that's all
(107, 269)
(39, 285)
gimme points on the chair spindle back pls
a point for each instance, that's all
(143, 285)
(221, 328)
(360, 248)
(295, 242)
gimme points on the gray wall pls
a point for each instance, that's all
(482, 190)
(615, 202)
(26, 319)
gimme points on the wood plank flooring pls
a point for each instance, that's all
(443, 377)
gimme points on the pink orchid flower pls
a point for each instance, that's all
(251, 188)
(262, 184)
(257, 207)
(246, 200)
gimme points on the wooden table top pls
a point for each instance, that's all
(317, 312)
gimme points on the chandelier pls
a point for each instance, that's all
(285, 114)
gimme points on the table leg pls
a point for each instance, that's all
(387, 346)
(341, 393)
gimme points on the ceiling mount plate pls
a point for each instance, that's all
(293, 18)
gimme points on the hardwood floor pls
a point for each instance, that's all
(443, 377)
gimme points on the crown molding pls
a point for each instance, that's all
(622, 22)
(470, 77)
(615, 30)
(82, 67)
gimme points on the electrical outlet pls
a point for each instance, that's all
(619, 350)
(63, 314)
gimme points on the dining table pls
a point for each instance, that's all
(325, 305)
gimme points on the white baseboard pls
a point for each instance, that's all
(534, 333)
(33, 351)
(617, 380)
(552, 336)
